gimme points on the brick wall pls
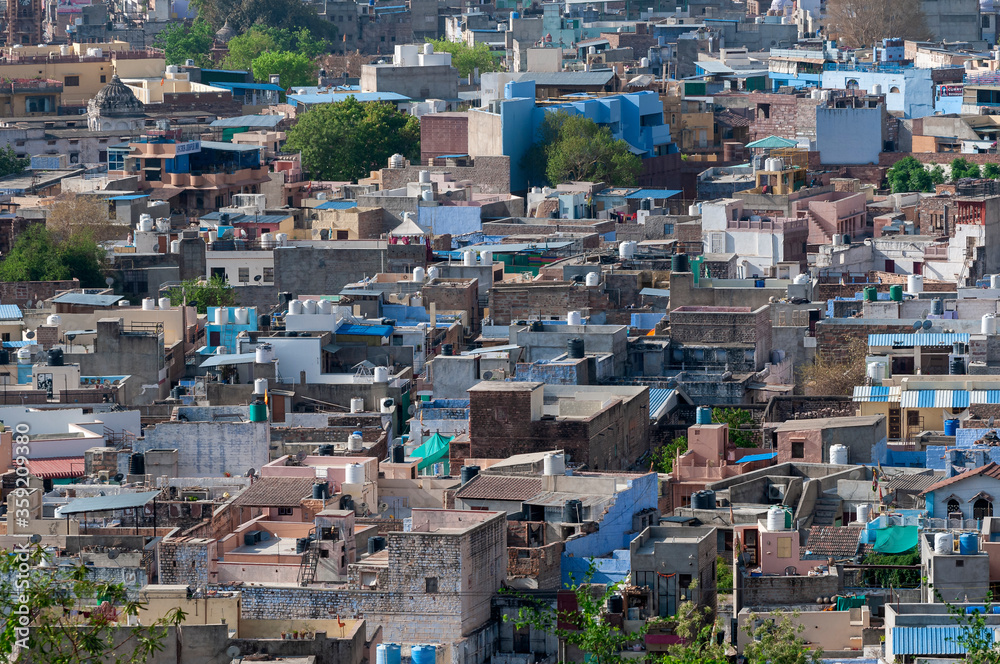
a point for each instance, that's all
(185, 562)
(785, 590)
(516, 301)
(786, 116)
(490, 173)
(443, 133)
(831, 338)
(538, 564)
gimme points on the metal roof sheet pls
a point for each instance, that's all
(86, 299)
(917, 339)
(568, 78)
(128, 197)
(333, 98)
(356, 330)
(56, 468)
(713, 67)
(231, 147)
(930, 640)
(121, 501)
(655, 292)
(227, 359)
(658, 398)
(247, 86)
(984, 397)
(757, 457)
(654, 193)
(934, 399)
(879, 393)
(772, 142)
(10, 312)
(249, 121)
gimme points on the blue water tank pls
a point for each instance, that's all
(515, 15)
(950, 427)
(968, 544)
(759, 283)
(423, 654)
(387, 653)
(703, 415)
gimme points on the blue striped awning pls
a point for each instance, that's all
(658, 398)
(984, 396)
(878, 393)
(916, 339)
(934, 399)
(930, 641)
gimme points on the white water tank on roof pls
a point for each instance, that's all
(592, 279)
(295, 307)
(418, 275)
(693, 210)
(574, 318)
(355, 444)
(355, 471)
(775, 519)
(148, 304)
(164, 303)
(241, 316)
(486, 258)
(267, 241)
(260, 386)
(263, 354)
(864, 513)
(554, 464)
(324, 307)
(221, 315)
(309, 306)
(995, 281)
(876, 372)
(433, 272)
(175, 246)
(915, 283)
(357, 405)
(424, 177)
(381, 374)
(839, 455)
(469, 258)
(989, 325)
(876, 89)
(428, 48)
(801, 279)
(53, 319)
(944, 544)
(427, 195)
(24, 355)
(397, 161)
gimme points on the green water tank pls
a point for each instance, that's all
(258, 412)
(871, 294)
(896, 293)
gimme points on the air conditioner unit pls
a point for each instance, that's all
(776, 492)
(102, 475)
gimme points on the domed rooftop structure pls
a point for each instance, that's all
(225, 33)
(117, 99)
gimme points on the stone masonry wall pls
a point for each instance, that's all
(514, 301)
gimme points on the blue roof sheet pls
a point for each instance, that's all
(10, 312)
(757, 457)
(337, 205)
(17, 344)
(333, 98)
(917, 339)
(654, 193)
(930, 640)
(657, 398)
(86, 299)
(249, 121)
(248, 86)
(934, 399)
(120, 501)
(228, 359)
(128, 197)
(876, 393)
(356, 330)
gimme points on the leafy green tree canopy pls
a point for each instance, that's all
(38, 256)
(293, 68)
(735, 418)
(467, 58)
(663, 458)
(182, 42)
(572, 147)
(259, 39)
(961, 168)
(51, 626)
(991, 171)
(908, 174)
(776, 640)
(10, 164)
(349, 139)
(243, 14)
(203, 294)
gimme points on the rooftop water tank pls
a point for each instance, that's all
(263, 354)
(424, 177)
(801, 279)
(775, 519)
(626, 250)
(467, 473)
(267, 241)
(164, 303)
(387, 653)
(221, 315)
(433, 272)
(281, 239)
(592, 279)
(968, 544)
(574, 318)
(260, 386)
(995, 281)
(425, 654)
(53, 319)
(839, 455)
(573, 511)
(397, 161)
(915, 283)
(324, 307)
(55, 357)
(354, 443)
(864, 513)
(355, 472)
(554, 463)
(703, 500)
(23, 355)
(468, 258)
(175, 246)
(357, 405)
(486, 258)
(944, 544)
(418, 275)
(148, 304)
(241, 316)
(309, 306)
(703, 415)
(295, 307)
(575, 348)
(381, 375)
(989, 325)
(428, 48)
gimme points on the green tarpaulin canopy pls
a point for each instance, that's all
(896, 539)
(846, 603)
(433, 450)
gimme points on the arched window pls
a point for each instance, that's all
(953, 507)
(852, 84)
(982, 508)
(894, 90)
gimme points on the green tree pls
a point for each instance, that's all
(45, 622)
(203, 294)
(776, 640)
(663, 458)
(467, 58)
(10, 163)
(292, 68)
(937, 174)
(991, 171)
(700, 634)
(573, 147)
(735, 418)
(897, 578)
(348, 139)
(38, 256)
(975, 635)
(181, 42)
(260, 39)
(961, 168)
(243, 14)
(908, 174)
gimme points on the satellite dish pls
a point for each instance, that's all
(927, 324)
(101, 493)
(383, 507)
(35, 539)
(256, 278)
(411, 409)
(487, 375)
(30, 334)
(916, 325)
(71, 336)
(109, 281)
(119, 477)
(250, 473)
(855, 474)
(233, 652)
(112, 554)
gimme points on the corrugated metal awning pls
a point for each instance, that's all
(916, 340)
(934, 399)
(876, 393)
(121, 501)
(930, 641)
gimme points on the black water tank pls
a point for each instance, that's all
(326, 450)
(398, 454)
(56, 357)
(301, 544)
(4, 356)
(447, 349)
(573, 511)
(375, 544)
(347, 502)
(616, 604)
(320, 491)
(703, 500)
(468, 472)
(679, 263)
(137, 464)
(574, 347)
(958, 367)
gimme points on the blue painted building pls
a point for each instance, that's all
(225, 325)
(907, 89)
(636, 118)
